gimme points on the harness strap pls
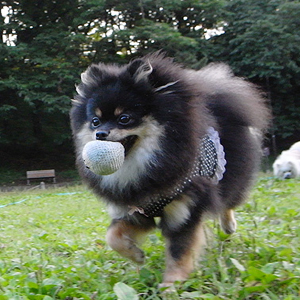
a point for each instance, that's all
(210, 163)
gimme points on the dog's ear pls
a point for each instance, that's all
(140, 70)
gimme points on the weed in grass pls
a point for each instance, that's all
(52, 246)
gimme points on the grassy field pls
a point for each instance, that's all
(52, 246)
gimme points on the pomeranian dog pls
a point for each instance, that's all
(191, 149)
(287, 164)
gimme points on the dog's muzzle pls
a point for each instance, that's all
(287, 175)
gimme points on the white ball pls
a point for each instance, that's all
(103, 157)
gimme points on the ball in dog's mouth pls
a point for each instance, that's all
(103, 157)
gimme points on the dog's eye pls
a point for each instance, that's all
(125, 119)
(95, 122)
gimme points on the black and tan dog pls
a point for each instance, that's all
(192, 148)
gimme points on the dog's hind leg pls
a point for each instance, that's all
(227, 221)
(123, 236)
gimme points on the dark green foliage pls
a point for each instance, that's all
(47, 44)
(39, 69)
(261, 42)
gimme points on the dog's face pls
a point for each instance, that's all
(120, 105)
(132, 105)
(285, 169)
(143, 106)
(117, 115)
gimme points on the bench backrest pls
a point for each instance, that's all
(40, 174)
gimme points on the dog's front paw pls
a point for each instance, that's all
(125, 246)
(128, 249)
(135, 254)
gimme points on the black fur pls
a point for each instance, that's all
(194, 101)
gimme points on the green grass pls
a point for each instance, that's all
(52, 246)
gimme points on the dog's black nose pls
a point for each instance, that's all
(287, 175)
(102, 135)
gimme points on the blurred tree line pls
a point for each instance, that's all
(47, 44)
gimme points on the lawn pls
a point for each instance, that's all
(52, 246)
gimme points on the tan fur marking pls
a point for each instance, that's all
(124, 237)
(179, 270)
(228, 222)
(98, 112)
(118, 111)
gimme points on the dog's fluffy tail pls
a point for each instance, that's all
(232, 97)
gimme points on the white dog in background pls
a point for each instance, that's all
(287, 164)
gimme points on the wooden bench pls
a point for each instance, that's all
(39, 174)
